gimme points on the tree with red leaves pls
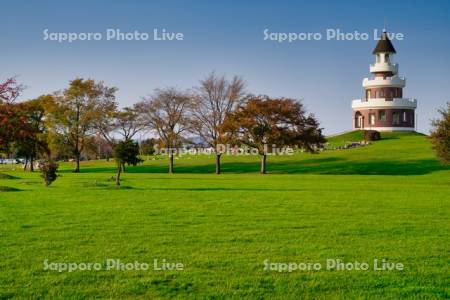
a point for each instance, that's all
(31, 140)
(10, 90)
(10, 121)
(263, 123)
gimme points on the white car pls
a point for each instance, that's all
(10, 161)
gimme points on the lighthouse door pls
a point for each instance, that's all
(358, 120)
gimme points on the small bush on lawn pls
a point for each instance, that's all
(371, 135)
(49, 171)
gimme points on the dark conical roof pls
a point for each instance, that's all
(384, 45)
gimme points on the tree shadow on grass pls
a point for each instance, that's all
(320, 165)
(382, 167)
(384, 138)
(7, 176)
(8, 189)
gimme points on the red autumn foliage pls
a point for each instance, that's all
(10, 90)
(263, 122)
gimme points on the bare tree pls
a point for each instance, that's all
(214, 99)
(129, 122)
(166, 113)
(107, 126)
(126, 123)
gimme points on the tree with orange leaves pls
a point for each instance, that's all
(264, 123)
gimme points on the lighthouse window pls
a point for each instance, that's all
(395, 118)
(372, 119)
(382, 115)
(386, 58)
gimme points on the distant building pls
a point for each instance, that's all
(383, 107)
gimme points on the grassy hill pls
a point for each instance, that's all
(348, 137)
(388, 200)
(395, 154)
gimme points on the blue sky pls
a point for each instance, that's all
(227, 37)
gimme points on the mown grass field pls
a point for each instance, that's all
(389, 200)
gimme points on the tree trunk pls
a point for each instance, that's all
(170, 163)
(31, 164)
(123, 167)
(119, 170)
(77, 158)
(25, 165)
(263, 163)
(218, 163)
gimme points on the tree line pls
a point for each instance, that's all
(217, 111)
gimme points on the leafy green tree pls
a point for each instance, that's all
(126, 152)
(440, 136)
(147, 146)
(74, 113)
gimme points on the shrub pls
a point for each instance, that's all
(440, 136)
(372, 135)
(126, 152)
(49, 172)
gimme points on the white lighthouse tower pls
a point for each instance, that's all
(383, 107)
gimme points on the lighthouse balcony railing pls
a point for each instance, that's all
(383, 102)
(384, 67)
(393, 81)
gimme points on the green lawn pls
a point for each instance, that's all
(388, 200)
